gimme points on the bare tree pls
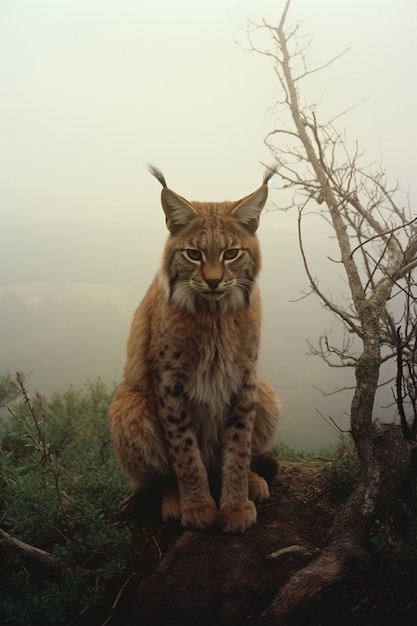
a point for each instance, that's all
(405, 391)
(376, 235)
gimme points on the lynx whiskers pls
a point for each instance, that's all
(191, 404)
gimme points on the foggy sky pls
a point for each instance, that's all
(94, 89)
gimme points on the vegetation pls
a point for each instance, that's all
(62, 541)
(381, 588)
(66, 549)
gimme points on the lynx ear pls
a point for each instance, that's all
(249, 209)
(178, 212)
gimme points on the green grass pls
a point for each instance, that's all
(60, 486)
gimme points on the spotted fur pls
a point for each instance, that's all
(191, 402)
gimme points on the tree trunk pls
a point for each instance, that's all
(379, 479)
(385, 461)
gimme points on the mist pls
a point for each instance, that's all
(92, 91)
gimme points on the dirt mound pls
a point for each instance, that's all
(213, 578)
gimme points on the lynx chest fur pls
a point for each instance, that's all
(191, 401)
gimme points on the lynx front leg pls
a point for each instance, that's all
(192, 514)
(238, 517)
(193, 501)
(237, 513)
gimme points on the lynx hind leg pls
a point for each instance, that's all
(139, 445)
(265, 428)
(258, 487)
(263, 466)
(171, 505)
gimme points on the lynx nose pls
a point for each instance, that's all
(213, 283)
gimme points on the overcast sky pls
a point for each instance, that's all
(91, 90)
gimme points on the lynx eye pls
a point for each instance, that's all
(193, 254)
(230, 254)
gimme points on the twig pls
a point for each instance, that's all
(157, 547)
(296, 549)
(39, 442)
(38, 555)
(26, 550)
(117, 600)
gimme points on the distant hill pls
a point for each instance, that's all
(61, 334)
(77, 250)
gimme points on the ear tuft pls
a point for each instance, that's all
(178, 211)
(157, 173)
(269, 172)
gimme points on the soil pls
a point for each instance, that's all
(210, 578)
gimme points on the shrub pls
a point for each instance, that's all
(341, 472)
(60, 486)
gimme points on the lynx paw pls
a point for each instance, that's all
(258, 488)
(237, 518)
(171, 506)
(198, 515)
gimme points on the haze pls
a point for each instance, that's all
(94, 89)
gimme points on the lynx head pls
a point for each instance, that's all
(212, 257)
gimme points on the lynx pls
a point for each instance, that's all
(190, 404)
